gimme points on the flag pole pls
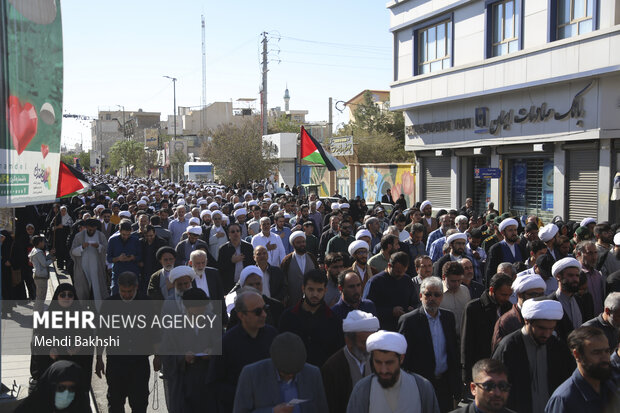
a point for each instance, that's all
(299, 155)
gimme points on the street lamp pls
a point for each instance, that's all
(174, 90)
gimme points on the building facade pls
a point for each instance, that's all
(511, 101)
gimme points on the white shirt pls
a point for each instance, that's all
(275, 256)
(301, 261)
(201, 282)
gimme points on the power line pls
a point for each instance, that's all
(344, 45)
(332, 54)
(331, 65)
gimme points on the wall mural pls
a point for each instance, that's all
(320, 176)
(375, 181)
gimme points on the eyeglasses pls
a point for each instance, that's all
(65, 294)
(258, 311)
(62, 387)
(489, 386)
(436, 295)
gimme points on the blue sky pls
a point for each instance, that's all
(116, 52)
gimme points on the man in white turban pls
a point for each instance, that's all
(566, 271)
(351, 363)
(391, 389)
(549, 235)
(536, 360)
(507, 250)
(524, 287)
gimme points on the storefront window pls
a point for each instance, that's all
(530, 187)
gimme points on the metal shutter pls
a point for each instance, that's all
(531, 200)
(437, 181)
(583, 184)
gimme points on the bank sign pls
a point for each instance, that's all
(485, 122)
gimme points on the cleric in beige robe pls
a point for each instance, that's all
(88, 252)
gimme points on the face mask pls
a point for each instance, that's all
(62, 400)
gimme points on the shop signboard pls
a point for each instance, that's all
(487, 173)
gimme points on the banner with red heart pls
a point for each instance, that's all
(22, 123)
(45, 149)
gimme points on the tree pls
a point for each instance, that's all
(239, 154)
(374, 128)
(283, 124)
(126, 154)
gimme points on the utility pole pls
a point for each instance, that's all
(264, 88)
(174, 96)
(330, 121)
(204, 79)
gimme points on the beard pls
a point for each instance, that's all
(570, 288)
(301, 250)
(360, 354)
(388, 382)
(600, 371)
(311, 303)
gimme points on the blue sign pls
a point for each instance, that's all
(487, 173)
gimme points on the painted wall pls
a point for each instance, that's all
(319, 175)
(374, 181)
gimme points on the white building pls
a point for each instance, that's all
(529, 87)
(286, 146)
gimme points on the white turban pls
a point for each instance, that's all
(318, 204)
(587, 221)
(528, 282)
(99, 207)
(252, 202)
(287, 215)
(617, 239)
(542, 310)
(247, 194)
(194, 220)
(141, 202)
(547, 232)
(249, 270)
(205, 212)
(356, 245)
(335, 206)
(180, 201)
(203, 202)
(238, 205)
(387, 341)
(454, 237)
(213, 205)
(507, 223)
(345, 205)
(124, 214)
(239, 212)
(181, 271)
(216, 213)
(360, 321)
(197, 230)
(296, 235)
(563, 264)
(461, 218)
(363, 233)
(425, 204)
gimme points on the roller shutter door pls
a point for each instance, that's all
(583, 184)
(437, 181)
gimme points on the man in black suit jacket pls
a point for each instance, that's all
(230, 254)
(278, 287)
(334, 222)
(387, 198)
(508, 250)
(424, 326)
(208, 279)
(107, 228)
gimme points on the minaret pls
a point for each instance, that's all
(287, 98)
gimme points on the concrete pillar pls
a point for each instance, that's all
(604, 179)
(419, 176)
(495, 183)
(455, 172)
(559, 182)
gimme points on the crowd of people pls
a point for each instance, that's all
(332, 305)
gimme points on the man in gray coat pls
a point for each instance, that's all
(284, 383)
(376, 392)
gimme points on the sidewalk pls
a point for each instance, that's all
(16, 369)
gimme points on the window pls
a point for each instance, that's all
(505, 27)
(574, 17)
(435, 47)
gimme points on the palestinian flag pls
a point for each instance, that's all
(312, 151)
(70, 181)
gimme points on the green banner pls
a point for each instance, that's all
(31, 86)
